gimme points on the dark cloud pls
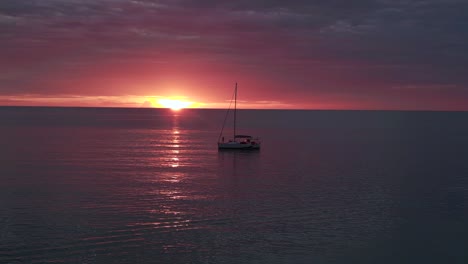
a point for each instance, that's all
(360, 49)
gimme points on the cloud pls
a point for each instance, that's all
(147, 104)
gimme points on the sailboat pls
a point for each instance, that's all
(238, 141)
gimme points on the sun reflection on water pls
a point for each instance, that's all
(175, 143)
(175, 163)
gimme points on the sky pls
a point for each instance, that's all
(323, 54)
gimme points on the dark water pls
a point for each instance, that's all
(83, 185)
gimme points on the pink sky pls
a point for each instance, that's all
(298, 55)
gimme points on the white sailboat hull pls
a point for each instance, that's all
(237, 145)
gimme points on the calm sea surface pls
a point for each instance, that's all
(87, 185)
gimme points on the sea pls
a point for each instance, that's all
(135, 185)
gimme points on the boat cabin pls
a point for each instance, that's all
(245, 139)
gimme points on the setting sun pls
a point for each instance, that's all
(174, 104)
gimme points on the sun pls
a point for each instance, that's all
(174, 104)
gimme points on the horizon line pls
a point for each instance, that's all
(260, 109)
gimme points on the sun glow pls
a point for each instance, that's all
(174, 104)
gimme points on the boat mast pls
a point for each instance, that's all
(235, 110)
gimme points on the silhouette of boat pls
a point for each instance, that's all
(240, 142)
